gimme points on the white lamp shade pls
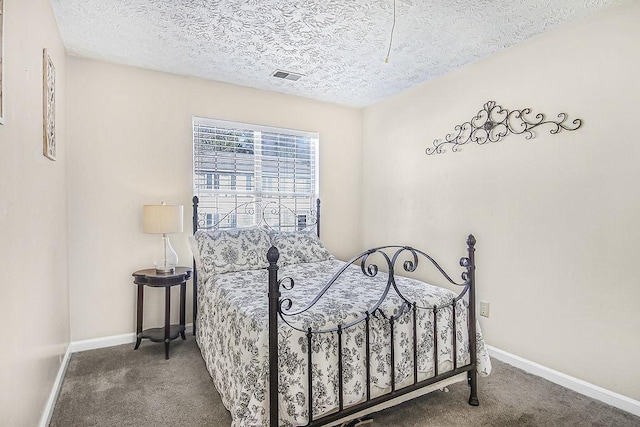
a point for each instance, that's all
(162, 219)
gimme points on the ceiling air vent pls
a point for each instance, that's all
(287, 75)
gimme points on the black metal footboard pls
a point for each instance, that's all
(280, 308)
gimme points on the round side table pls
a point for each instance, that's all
(150, 277)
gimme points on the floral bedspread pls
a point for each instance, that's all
(232, 332)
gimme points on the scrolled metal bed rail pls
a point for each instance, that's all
(281, 308)
(260, 209)
(370, 270)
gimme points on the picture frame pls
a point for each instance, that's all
(1, 62)
(49, 106)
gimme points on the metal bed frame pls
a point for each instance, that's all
(280, 309)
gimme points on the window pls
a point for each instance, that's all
(241, 166)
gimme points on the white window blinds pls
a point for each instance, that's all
(238, 166)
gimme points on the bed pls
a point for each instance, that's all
(268, 304)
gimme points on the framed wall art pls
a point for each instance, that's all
(49, 106)
(1, 62)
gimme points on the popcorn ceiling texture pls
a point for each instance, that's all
(339, 45)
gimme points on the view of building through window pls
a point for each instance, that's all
(254, 170)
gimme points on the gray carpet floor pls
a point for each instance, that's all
(118, 386)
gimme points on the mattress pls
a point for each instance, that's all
(232, 333)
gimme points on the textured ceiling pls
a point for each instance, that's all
(338, 45)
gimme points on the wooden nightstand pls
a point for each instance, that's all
(149, 277)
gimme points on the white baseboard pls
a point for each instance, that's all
(45, 419)
(95, 343)
(92, 344)
(593, 391)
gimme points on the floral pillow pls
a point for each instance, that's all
(299, 247)
(235, 249)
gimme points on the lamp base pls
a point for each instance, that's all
(166, 260)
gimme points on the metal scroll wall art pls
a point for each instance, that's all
(494, 122)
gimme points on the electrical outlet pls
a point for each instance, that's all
(484, 309)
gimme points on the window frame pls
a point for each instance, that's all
(254, 185)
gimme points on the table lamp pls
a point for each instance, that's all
(163, 219)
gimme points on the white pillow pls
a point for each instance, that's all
(298, 247)
(233, 249)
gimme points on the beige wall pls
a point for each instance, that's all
(556, 217)
(34, 307)
(130, 144)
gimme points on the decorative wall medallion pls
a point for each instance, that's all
(494, 122)
(49, 106)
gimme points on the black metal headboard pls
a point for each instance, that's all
(262, 211)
